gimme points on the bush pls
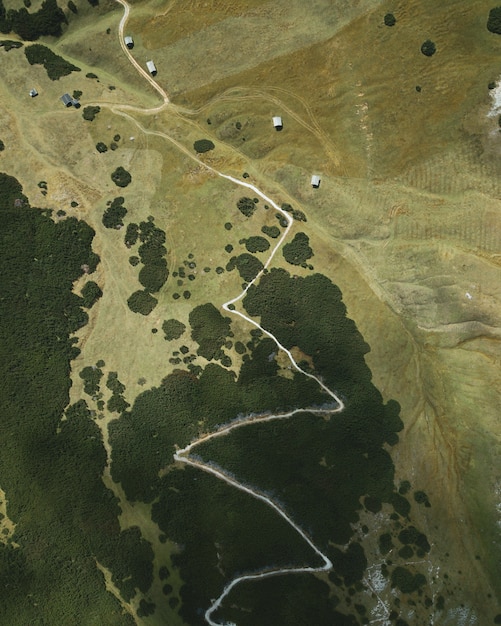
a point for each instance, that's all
(494, 21)
(247, 206)
(203, 145)
(55, 65)
(142, 302)
(298, 250)
(101, 147)
(8, 44)
(428, 48)
(91, 292)
(90, 112)
(389, 19)
(2, 146)
(173, 329)
(72, 7)
(121, 177)
(271, 231)
(248, 266)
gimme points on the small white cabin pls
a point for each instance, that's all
(315, 181)
(33, 93)
(277, 123)
(129, 42)
(151, 68)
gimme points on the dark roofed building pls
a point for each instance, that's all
(67, 100)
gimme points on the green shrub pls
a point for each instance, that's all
(389, 19)
(428, 48)
(91, 75)
(131, 234)
(271, 231)
(72, 7)
(494, 21)
(77, 94)
(91, 292)
(114, 214)
(55, 65)
(209, 329)
(2, 146)
(101, 147)
(405, 581)
(121, 177)
(142, 302)
(203, 145)
(152, 276)
(257, 244)
(298, 250)
(91, 375)
(247, 206)
(134, 260)
(90, 112)
(385, 543)
(421, 498)
(248, 266)
(7, 44)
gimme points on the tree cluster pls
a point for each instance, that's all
(152, 253)
(114, 213)
(51, 467)
(54, 65)
(298, 251)
(47, 20)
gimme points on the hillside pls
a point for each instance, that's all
(361, 361)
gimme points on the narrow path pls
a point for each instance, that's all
(138, 67)
(184, 455)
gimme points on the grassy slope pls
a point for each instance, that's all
(367, 234)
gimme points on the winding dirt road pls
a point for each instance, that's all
(184, 455)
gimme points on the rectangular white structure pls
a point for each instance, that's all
(129, 42)
(315, 181)
(277, 122)
(33, 93)
(151, 68)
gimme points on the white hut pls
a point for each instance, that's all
(277, 123)
(315, 181)
(129, 42)
(33, 93)
(151, 68)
